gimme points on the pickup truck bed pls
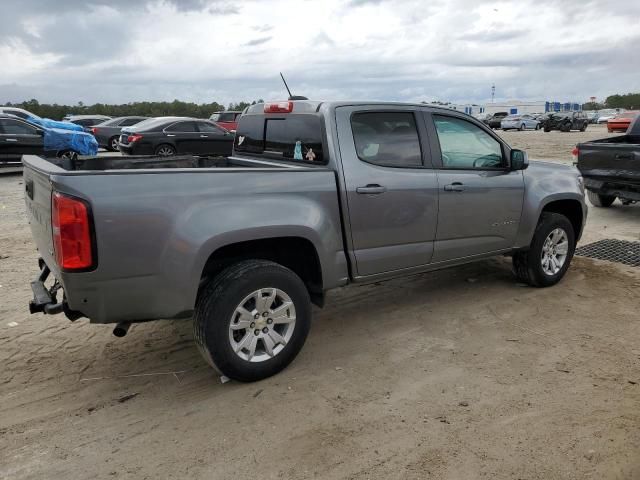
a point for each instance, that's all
(611, 167)
(156, 222)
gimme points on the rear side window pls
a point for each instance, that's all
(388, 139)
(127, 122)
(293, 137)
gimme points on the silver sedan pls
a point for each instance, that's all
(519, 122)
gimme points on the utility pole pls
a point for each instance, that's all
(493, 92)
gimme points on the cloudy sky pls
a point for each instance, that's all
(119, 51)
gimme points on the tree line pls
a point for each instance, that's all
(629, 101)
(147, 109)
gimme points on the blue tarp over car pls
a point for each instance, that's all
(48, 123)
(59, 140)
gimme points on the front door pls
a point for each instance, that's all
(19, 138)
(390, 186)
(480, 200)
(185, 136)
(214, 140)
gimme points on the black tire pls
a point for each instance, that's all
(603, 201)
(216, 305)
(537, 126)
(165, 147)
(522, 127)
(527, 265)
(584, 127)
(112, 144)
(547, 129)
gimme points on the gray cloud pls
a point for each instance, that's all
(257, 41)
(198, 50)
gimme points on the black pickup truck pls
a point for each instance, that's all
(611, 167)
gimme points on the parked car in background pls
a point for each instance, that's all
(606, 114)
(494, 120)
(19, 137)
(227, 120)
(611, 167)
(18, 112)
(621, 122)
(519, 122)
(592, 116)
(108, 133)
(565, 121)
(166, 136)
(86, 121)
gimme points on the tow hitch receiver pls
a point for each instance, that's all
(44, 300)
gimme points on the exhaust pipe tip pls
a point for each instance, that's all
(121, 329)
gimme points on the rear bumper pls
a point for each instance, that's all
(625, 190)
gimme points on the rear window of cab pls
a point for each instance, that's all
(297, 138)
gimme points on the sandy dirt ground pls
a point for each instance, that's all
(459, 374)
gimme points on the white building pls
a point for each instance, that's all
(540, 106)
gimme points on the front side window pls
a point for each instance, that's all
(388, 139)
(205, 127)
(13, 127)
(127, 122)
(465, 145)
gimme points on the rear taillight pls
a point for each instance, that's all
(70, 222)
(278, 107)
(575, 153)
(134, 138)
(93, 130)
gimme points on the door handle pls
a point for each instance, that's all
(624, 156)
(11, 139)
(371, 189)
(170, 135)
(204, 136)
(454, 187)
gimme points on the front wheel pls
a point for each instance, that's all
(584, 127)
(550, 253)
(598, 200)
(522, 127)
(252, 320)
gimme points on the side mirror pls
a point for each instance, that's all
(519, 159)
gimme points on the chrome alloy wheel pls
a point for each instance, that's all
(554, 251)
(165, 151)
(114, 144)
(262, 324)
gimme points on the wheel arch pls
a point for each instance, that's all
(297, 253)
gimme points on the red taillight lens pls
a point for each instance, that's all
(133, 138)
(278, 107)
(94, 130)
(575, 153)
(71, 232)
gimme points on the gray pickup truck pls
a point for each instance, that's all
(316, 195)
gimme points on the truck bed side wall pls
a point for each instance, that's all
(155, 232)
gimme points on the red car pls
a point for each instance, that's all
(227, 120)
(621, 121)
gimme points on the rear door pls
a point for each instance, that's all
(480, 200)
(391, 188)
(185, 136)
(213, 140)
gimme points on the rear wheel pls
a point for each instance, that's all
(252, 319)
(584, 127)
(112, 144)
(522, 127)
(547, 129)
(550, 253)
(165, 150)
(537, 126)
(598, 200)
